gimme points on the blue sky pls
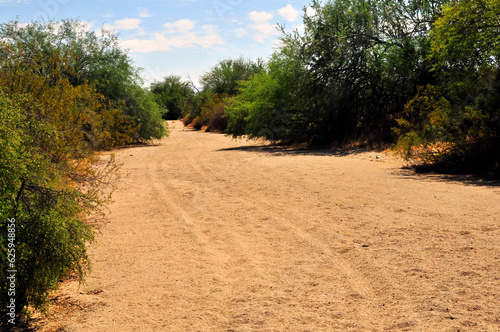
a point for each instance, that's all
(174, 37)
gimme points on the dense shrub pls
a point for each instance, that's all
(461, 114)
(50, 183)
(55, 114)
(271, 103)
(212, 113)
(66, 49)
(346, 78)
(141, 106)
(206, 108)
(170, 94)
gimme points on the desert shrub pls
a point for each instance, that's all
(345, 78)
(50, 184)
(217, 121)
(170, 94)
(212, 113)
(271, 104)
(420, 132)
(197, 124)
(187, 120)
(67, 50)
(191, 108)
(142, 108)
(207, 107)
(460, 115)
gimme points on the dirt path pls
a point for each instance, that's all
(212, 234)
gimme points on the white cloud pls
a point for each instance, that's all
(128, 23)
(125, 24)
(143, 12)
(310, 11)
(261, 24)
(179, 34)
(180, 26)
(260, 17)
(289, 13)
(240, 32)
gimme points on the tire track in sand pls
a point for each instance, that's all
(204, 236)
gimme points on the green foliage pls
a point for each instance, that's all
(366, 60)
(466, 36)
(50, 182)
(83, 55)
(225, 76)
(465, 49)
(191, 108)
(170, 95)
(61, 99)
(212, 113)
(346, 78)
(207, 107)
(142, 107)
(270, 104)
(420, 130)
(66, 49)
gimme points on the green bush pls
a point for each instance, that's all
(459, 117)
(66, 50)
(212, 113)
(170, 93)
(49, 185)
(142, 107)
(51, 182)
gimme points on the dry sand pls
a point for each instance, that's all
(212, 234)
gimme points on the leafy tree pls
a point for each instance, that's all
(366, 60)
(50, 183)
(466, 36)
(225, 76)
(170, 94)
(465, 47)
(355, 66)
(141, 106)
(81, 56)
(271, 103)
(220, 84)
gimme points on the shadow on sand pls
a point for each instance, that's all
(277, 150)
(403, 172)
(470, 180)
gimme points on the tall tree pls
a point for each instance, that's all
(170, 94)
(83, 56)
(458, 127)
(225, 76)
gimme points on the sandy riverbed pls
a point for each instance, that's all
(207, 233)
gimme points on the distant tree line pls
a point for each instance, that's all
(420, 74)
(65, 93)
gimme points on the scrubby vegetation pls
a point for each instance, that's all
(453, 124)
(170, 94)
(206, 107)
(423, 75)
(64, 95)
